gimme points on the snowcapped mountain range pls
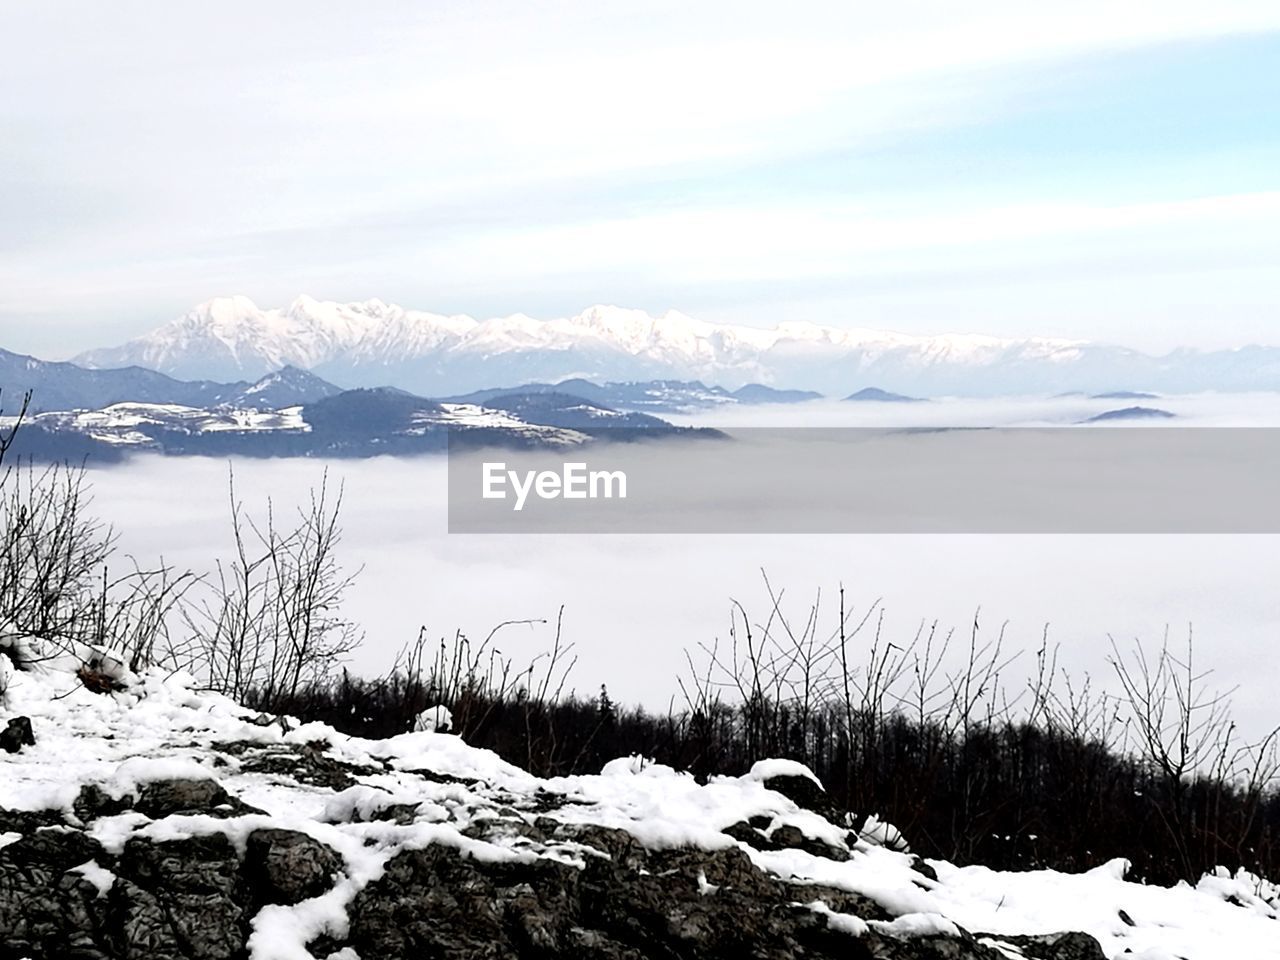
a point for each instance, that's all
(371, 343)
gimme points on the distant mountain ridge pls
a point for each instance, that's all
(64, 386)
(60, 385)
(369, 343)
(658, 396)
(1131, 413)
(876, 395)
(352, 423)
(104, 415)
(285, 387)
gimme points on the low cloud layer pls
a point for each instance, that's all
(633, 604)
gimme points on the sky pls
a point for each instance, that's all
(1102, 170)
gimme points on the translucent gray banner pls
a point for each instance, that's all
(1053, 480)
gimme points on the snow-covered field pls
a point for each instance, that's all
(119, 422)
(159, 727)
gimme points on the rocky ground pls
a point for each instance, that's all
(158, 822)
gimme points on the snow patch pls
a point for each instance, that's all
(433, 720)
(763, 770)
(102, 879)
(164, 727)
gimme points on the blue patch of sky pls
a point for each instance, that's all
(1187, 119)
(1177, 121)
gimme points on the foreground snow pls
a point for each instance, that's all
(164, 728)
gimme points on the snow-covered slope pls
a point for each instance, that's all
(233, 337)
(175, 428)
(134, 424)
(285, 387)
(114, 776)
(237, 339)
(352, 423)
(373, 343)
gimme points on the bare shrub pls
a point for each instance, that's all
(482, 686)
(273, 623)
(59, 596)
(1191, 750)
(10, 433)
(1062, 772)
(52, 555)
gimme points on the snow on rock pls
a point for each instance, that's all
(911, 925)
(763, 770)
(103, 880)
(108, 667)
(362, 804)
(19, 650)
(433, 720)
(844, 922)
(883, 834)
(171, 802)
(633, 766)
(1243, 889)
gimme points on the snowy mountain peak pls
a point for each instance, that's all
(372, 342)
(304, 303)
(223, 312)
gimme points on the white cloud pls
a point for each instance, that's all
(661, 594)
(813, 240)
(158, 155)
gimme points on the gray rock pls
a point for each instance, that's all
(800, 790)
(179, 900)
(621, 847)
(194, 899)
(17, 734)
(45, 910)
(305, 763)
(286, 866)
(1056, 946)
(163, 798)
(435, 902)
(27, 821)
(688, 904)
(787, 837)
(57, 848)
(964, 947)
(682, 903)
(93, 802)
(754, 837)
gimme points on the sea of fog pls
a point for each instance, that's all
(634, 603)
